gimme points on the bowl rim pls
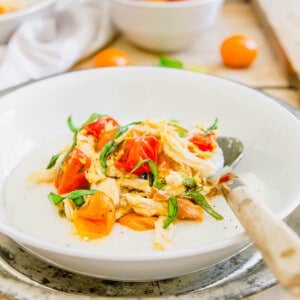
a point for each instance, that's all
(237, 239)
(165, 5)
(26, 10)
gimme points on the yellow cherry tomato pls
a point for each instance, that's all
(110, 57)
(238, 51)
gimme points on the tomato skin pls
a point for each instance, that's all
(96, 218)
(98, 130)
(111, 57)
(71, 175)
(204, 142)
(136, 149)
(238, 51)
(95, 128)
(138, 222)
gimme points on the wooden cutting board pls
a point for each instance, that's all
(281, 22)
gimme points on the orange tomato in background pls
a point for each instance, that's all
(111, 57)
(238, 51)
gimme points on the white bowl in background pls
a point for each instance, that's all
(31, 9)
(164, 26)
(33, 127)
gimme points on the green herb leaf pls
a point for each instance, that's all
(92, 118)
(53, 160)
(172, 211)
(112, 146)
(182, 132)
(55, 199)
(80, 193)
(154, 170)
(211, 128)
(106, 150)
(122, 129)
(190, 183)
(79, 201)
(71, 124)
(138, 164)
(76, 196)
(70, 149)
(201, 201)
(170, 63)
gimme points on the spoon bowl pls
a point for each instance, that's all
(232, 150)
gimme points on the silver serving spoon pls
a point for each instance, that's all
(278, 244)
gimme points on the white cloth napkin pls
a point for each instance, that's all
(44, 47)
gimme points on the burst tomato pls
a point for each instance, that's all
(71, 175)
(103, 129)
(96, 218)
(238, 51)
(136, 149)
(204, 142)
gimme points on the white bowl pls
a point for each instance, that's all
(32, 9)
(161, 26)
(33, 127)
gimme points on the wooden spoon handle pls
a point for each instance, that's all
(279, 245)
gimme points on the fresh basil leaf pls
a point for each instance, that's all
(55, 199)
(154, 180)
(170, 62)
(182, 132)
(53, 160)
(190, 183)
(71, 124)
(122, 129)
(138, 164)
(172, 211)
(70, 149)
(211, 128)
(201, 201)
(80, 193)
(78, 201)
(112, 146)
(92, 118)
(106, 150)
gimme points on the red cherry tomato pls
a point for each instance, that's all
(96, 128)
(71, 174)
(204, 142)
(103, 129)
(139, 148)
(238, 51)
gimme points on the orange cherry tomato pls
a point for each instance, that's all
(238, 51)
(111, 57)
(138, 222)
(96, 218)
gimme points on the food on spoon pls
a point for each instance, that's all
(238, 51)
(146, 175)
(111, 57)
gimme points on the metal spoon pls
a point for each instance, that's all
(278, 244)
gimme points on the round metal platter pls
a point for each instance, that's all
(23, 276)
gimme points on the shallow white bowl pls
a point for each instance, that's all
(164, 26)
(32, 9)
(33, 127)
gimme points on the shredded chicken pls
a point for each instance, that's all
(166, 160)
